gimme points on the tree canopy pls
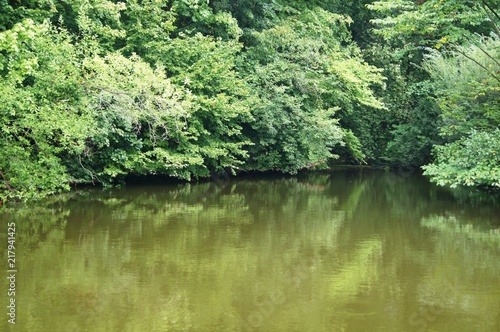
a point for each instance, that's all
(93, 91)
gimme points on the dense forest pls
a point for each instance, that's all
(95, 91)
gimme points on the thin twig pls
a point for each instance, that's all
(479, 64)
(492, 10)
(484, 51)
(92, 175)
(495, 26)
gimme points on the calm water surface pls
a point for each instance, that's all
(336, 251)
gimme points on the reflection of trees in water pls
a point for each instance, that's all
(35, 223)
(136, 249)
(464, 272)
(201, 256)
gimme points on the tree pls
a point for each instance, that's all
(304, 75)
(409, 30)
(42, 118)
(141, 122)
(12, 12)
(473, 160)
(432, 23)
(469, 93)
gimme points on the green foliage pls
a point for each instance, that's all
(468, 86)
(42, 119)
(141, 119)
(205, 68)
(71, 117)
(431, 23)
(95, 90)
(409, 147)
(94, 18)
(12, 12)
(434, 86)
(417, 129)
(148, 25)
(469, 94)
(302, 74)
(471, 161)
(354, 146)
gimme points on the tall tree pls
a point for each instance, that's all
(305, 72)
(468, 84)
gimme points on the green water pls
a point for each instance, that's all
(334, 251)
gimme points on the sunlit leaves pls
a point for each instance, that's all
(474, 160)
(148, 26)
(205, 67)
(186, 88)
(144, 121)
(99, 18)
(468, 95)
(302, 72)
(17, 59)
(137, 94)
(469, 86)
(42, 118)
(430, 23)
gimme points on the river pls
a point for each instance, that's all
(341, 250)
